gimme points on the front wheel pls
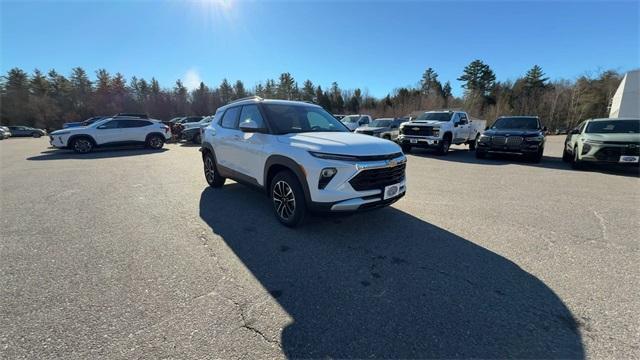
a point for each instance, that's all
(480, 154)
(472, 144)
(445, 144)
(288, 199)
(82, 145)
(566, 157)
(155, 142)
(537, 157)
(575, 162)
(197, 139)
(406, 148)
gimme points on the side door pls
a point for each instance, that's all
(458, 131)
(227, 134)
(465, 127)
(395, 129)
(249, 148)
(135, 130)
(108, 132)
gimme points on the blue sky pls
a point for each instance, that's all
(374, 45)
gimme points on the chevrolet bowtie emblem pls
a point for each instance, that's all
(392, 163)
(415, 128)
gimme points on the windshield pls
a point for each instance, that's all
(435, 116)
(380, 123)
(350, 118)
(614, 127)
(287, 119)
(516, 123)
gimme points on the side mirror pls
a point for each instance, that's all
(249, 126)
(486, 128)
(544, 128)
(574, 132)
(101, 127)
(456, 124)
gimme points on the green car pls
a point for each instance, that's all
(610, 141)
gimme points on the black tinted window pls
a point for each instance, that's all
(230, 118)
(133, 123)
(516, 123)
(113, 124)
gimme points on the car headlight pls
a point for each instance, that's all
(593, 142)
(484, 138)
(60, 133)
(333, 156)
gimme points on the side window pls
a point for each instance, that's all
(396, 124)
(251, 112)
(230, 118)
(113, 124)
(134, 123)
(463, 119)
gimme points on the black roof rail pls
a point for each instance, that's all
(135, 115)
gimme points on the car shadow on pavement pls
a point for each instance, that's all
(548, 162)
(386, 284)
(60, 154)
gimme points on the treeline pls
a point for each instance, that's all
(48, 100)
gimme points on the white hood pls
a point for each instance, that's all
(344, 143)
(424, 123)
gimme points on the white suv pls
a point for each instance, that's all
(112, 131)
(302, 157)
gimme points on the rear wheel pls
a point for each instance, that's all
(211, 172)
(155, 142)
(36, 134)
(82, 145)
(288, 199)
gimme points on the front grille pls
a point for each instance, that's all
(498, 140)
(378, 157)
(514, 140)
(378, 178)
(614, 153)
(417, 130)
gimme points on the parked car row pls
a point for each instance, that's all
(23, 131)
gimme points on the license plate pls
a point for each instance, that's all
(629, 159)
(391, 191)
(413, 141)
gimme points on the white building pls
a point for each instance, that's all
(626, 100)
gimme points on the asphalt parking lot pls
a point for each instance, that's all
(128, 254)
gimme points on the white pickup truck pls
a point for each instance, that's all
(440, 129)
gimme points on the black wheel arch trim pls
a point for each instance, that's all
(290, 164)
(154, 133)
(72, 138)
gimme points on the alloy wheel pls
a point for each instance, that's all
(284, 200)
(82, 145)
(155, 142)
(209, 170)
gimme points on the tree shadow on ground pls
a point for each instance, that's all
(548, 162)
(100, 153)
(386, 284)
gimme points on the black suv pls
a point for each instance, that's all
(519, 135)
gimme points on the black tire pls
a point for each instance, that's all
(445, 144)
(537, 157)
(566, 157)
(406, 148)
(82, 145)
(155, 142)
(472, 145)
(480, 154)
(197, 139)
(575, 161)
(288, 200)
(36, 135)
(211, 171)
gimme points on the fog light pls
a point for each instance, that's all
(325, 177)
(585, 148)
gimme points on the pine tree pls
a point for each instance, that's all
(226, 91)
(308, 91)
(429, 82)
(238, 90)
(286, 87)
(534, 78)
(478, 77)
(82, 91)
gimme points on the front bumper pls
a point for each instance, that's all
(56, 141)
(525, 148)
(419, 141)
(610, 153)
(357, 204)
